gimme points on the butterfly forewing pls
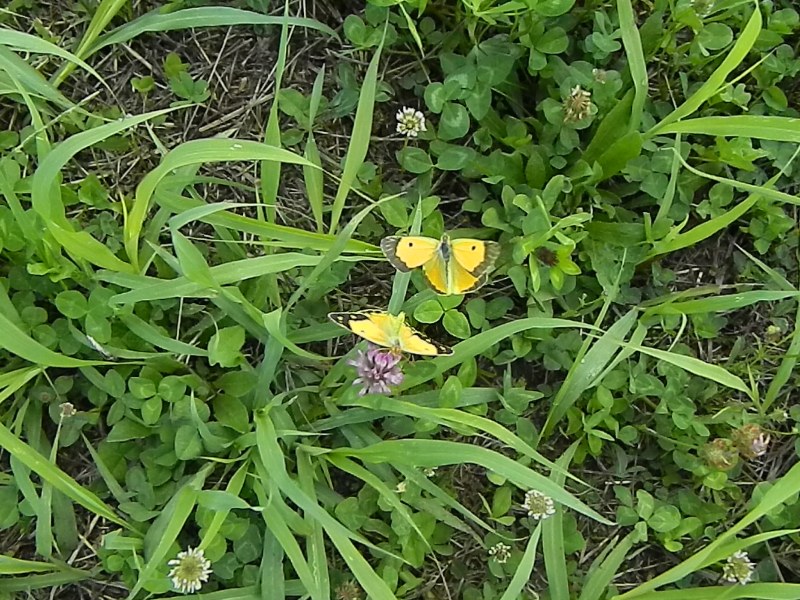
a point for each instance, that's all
(409, 252)
(476, 256)
(372, 326)
(390, 331)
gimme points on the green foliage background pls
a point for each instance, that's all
(636, 160)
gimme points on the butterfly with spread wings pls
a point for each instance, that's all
(389, 331)
(450, 266)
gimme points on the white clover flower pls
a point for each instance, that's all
(600, 75)
(578, 105)
(410, 122)
(67, 410)
(401, 487)
(189, 571)
(500, 552)
(429, 472)
(760, 445)
(538, 506)
(738, 568)
(348, 590)
(703, 8)
(751, 440)
(773, 333)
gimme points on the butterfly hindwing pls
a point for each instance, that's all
(461, 281)
(436, 274)
(414, 342)
(409, 252)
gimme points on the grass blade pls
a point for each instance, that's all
(314, 177)
(486, 339)
(786, 369)
(281, 532)
(436, 453)
(777, 494)
(735, 57)
(453, 418)
(778, 129)
(273, 583)
(54, 476)
(46, 192)
(523, 573)
(17, 566)
(719, 303)
(555, 560)
(165, 530)
(11, 381)
(335, 250)
(315, 544)
(37, 582)
(272, 458)
(286, 237)
(17, 75)
(584, 371)
(695, 366)
(636, 62)
(206, 16)
(703, 231)
(359, 140)
(234, 487)
(21, 41)
(751, 591)
(106, 11)
(195, 152)
(271, 170)
(762, 190)
(19, 343)
(601, 574)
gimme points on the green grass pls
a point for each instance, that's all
(631, 356)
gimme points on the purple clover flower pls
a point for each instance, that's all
(377, 369)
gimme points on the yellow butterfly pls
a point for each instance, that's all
(390, 331)
(450, 266)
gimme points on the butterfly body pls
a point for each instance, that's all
(449, 266)
(445, 248)
(389, 331)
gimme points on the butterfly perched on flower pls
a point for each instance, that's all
(450, 266)
(389, 331)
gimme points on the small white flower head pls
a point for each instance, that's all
(67, 410)
(738, 568)
(600, 75)
(759, 445)
(538, 506)
(189, 571)
(578, 105)
(751, 441)
(703, 8)
(348, 590)
(500, 552)
(429, 472)
(401, 487)
(773, 334)
(410, 122)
